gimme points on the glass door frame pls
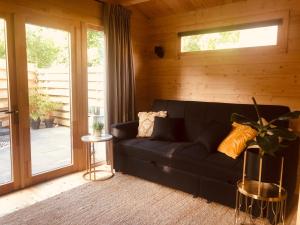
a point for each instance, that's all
(13, 106)
(21, 65)
(84, 48)
(18, 86)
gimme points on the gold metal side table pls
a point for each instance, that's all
(269, 200)
(91, 171)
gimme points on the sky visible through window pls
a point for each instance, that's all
(245, 38)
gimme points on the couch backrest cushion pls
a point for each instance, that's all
(198, 113)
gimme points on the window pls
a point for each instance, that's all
(6, 151)
(49, 83)
(96, 85)
(231, 37)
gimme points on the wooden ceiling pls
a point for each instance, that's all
(158, 8)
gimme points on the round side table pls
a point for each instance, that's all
(268, 198)
(91, 171)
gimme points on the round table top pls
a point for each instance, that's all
(268, 191)
(92, 138)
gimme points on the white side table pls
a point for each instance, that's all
(91, 171)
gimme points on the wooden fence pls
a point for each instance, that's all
(3, 93)
(56, 83)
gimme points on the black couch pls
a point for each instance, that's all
(187, 165)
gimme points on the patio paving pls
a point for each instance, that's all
(50, 149)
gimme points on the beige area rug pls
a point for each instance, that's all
(123, 200)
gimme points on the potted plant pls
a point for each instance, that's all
(48, 107)
(35, 110)
(97, 128)
(269, 140)
(35, 120)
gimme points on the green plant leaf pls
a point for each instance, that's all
(98, 126)
(257, 112)
(289, 115)
(284, 133)
(244, 120)
(269, 144)
(268, 136)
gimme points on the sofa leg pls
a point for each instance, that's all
(195, 196)
(208, 201)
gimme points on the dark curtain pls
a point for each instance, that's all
(120, 75)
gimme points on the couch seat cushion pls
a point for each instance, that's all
(187, 156)
(163, 152)
(214, 165)
(222, 167)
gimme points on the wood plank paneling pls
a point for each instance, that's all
(140, 33)
(154, 8)
(230, 75)
(273, 77)
(88, 11)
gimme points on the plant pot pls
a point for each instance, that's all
(271, 166)
(97, 133)
(49, 123)
(35, 124)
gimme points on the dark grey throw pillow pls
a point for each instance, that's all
(168, 129)
(213, 134)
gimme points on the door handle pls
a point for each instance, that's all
(9, 112)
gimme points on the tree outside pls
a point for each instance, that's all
(96, 48)
(43, 51)
(46, 46)
(2, 39)
(211, 41)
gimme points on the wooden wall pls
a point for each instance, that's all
(82, 10)
(140, 37)
(273, 77)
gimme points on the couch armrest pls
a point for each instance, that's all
(125, 130)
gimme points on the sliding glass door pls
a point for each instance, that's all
(49, 93)
(8, 116)
(6, 162)
(47, 101)
(96, 85)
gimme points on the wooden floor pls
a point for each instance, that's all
(29, 196)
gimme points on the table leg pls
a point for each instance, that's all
(87, 157)
(236, 208)
(284, 211)
(251, 211)
(94, 161)
(90, 166)
(246, 205)
(110, 145)
(261, 209)
(276, 213)
(268, 209)
(107, 150)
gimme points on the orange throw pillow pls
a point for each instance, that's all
(235, 143)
